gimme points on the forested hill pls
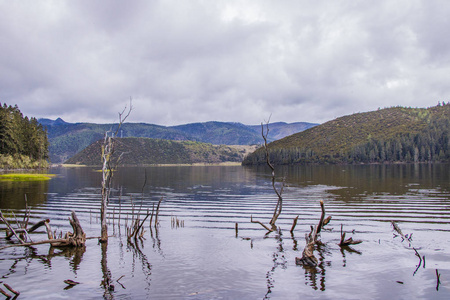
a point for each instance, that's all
(66, 139)
(395, 134)
(23, 141)
(146, 151)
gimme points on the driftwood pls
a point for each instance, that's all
(8, 296)
(347, 242)
(438, 279)
(409, 239)
(26, 231)
(157, 213)
(294, 223)
(10, 228)
(308, 258)
(71, 282)
(75, 239)
(11, 289)
(136, 230)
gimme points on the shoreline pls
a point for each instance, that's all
(228, 163)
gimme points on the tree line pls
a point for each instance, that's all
(429, 147)
(430, 144)
(23, 140)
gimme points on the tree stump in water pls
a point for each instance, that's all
(308, 258)
(75, 239)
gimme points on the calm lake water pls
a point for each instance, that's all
(206, 259)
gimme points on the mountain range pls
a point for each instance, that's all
(67, 139)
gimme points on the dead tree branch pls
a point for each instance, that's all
(8, 296)
(347, 242)
(308, 258)
(438, 279)
(10, 228)
(409, 239)
(279, 206)
(294, 223)
(157, 212)
(11, 289)
(75, 239)
(33, 228)
(107, 172)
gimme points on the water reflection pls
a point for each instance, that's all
(106, 282)
(206, 259)
(73, 254)
(279, 261)
(350, 250)
(357, 181)
(12, 193)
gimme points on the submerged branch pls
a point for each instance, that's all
(76, 239)
(347, 242)
(10, 228)
(308, 258)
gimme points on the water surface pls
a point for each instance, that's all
(205, 259)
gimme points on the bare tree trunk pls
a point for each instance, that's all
(279, 206)
(107, 172)
(107, 151)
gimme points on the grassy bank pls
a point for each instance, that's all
(25, 177)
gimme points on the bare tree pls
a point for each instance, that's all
(278, 208)
(107, 170)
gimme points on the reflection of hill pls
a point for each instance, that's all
(357, 181)
(12, 193)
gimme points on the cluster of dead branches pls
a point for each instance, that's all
(136, 230)
(77, 238)
(312, 239)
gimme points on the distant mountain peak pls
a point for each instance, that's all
(50, 122)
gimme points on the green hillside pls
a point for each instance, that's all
(146, 151)
(279, 130)
(66, 139)
(396, 134)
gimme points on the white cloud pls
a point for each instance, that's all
(195, 61)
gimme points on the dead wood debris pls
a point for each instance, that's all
(136, 230)
(9, 288)
(71, 282)
(75, 239)
(294, 223)
(308, 258)
(347, 242)
(438, 279)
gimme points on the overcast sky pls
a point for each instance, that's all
(238, 61)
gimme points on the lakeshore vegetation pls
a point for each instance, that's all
(23, 141)
(390, 135)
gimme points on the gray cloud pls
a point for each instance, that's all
(195, 61)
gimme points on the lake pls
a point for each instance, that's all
(205, 258)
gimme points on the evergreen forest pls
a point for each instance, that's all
(390, 135)
(23, 140)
